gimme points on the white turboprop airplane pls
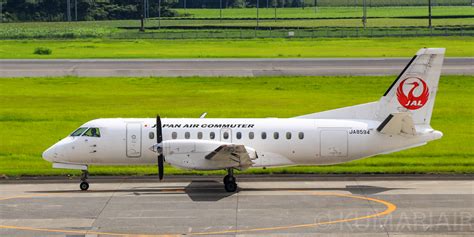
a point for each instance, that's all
(398, 121)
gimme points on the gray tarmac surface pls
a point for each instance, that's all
(299, 206)
(220, 67)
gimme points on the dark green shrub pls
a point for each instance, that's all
(43, 51)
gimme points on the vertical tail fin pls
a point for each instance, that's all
(414, 90)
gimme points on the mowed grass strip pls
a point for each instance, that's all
(203, 28)
(254, 48)
(328, 12)
(37, 112)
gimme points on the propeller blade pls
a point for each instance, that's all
(159, 139)
(159, 134)
(160, 166)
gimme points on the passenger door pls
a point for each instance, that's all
(334, 144)
(134, 140)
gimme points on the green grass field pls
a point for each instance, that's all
(254, 48)
(110, 29)
(37, 112)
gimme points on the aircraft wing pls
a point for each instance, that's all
(398, 124)
(233, 153)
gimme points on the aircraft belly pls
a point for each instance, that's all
(197, 161)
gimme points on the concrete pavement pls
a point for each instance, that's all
(220, 67)
(291, 207)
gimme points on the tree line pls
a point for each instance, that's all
(88, 10)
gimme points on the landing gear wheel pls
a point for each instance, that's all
(84, 186)
(229, 178)
(230, 187)
(229, 181)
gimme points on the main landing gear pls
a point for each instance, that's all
(229, 181)
(84, 184)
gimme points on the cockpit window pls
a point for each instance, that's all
(78, 132)
(92, 132)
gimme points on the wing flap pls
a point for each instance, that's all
(231, 152)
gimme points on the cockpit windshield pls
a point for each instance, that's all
(92, 132)
(78, 132)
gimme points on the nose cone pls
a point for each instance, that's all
(157, 148)
(49, 154)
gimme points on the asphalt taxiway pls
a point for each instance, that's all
(220, 67)
(301, 206)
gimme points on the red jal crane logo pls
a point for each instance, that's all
(410, 100)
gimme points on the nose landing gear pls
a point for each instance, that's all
(84, 184)
(229, 181)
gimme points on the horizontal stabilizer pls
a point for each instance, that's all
(398, 124)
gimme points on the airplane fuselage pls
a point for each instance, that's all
(276, 142)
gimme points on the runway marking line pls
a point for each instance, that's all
(390, 207)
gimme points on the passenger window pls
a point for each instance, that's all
(251, 135)
(199, 135)
(92, 132)
(78, 132)
(226, 135)
(301, 135)
(187, 135)
(264, 135)
(174, 135)
(212, 135)
(239, 135)
(276, 135)
(151, 135)
(288, 135)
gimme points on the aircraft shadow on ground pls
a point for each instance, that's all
(211, 190)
